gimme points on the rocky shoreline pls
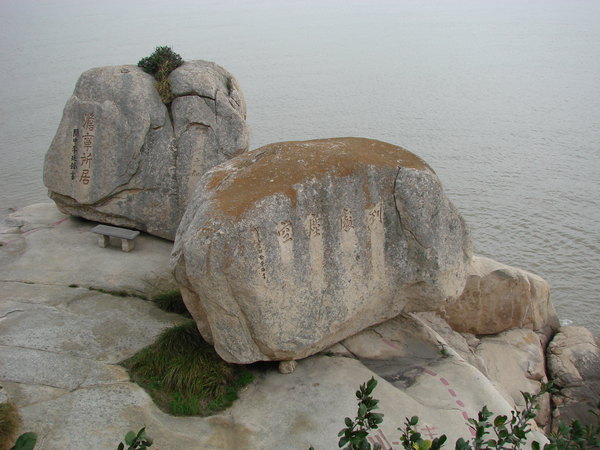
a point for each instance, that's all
(65, 325)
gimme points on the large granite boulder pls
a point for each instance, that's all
(121, 156)
(290, 248)
(498, 297)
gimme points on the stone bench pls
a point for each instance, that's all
(106, 232)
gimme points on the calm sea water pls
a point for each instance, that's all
(502, 98)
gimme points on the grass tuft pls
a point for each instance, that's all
(171, 302)
(184, 375)
(10, 421)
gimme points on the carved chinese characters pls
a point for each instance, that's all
(346, 221)
(88, 143)
(73, 165)
(82, 164)
(81, 160)
(313, 225)
(262, 269)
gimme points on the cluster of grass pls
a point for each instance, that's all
(171, 302)
(160, 64)
(184, 375)
(10, 421)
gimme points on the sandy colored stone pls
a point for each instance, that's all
(120, 156)
(292, 247)
(286, 367)
(404, 336)
(515, 363)
(462, 343)
(498, 297)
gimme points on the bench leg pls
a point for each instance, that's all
(127, 245)
(103, 241)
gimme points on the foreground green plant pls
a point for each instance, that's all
(26, 441)
(139, 441)
(500, 433)
(160, 64)
(354, 435)
(412, 439)
(508, 434)
(575, 436)
(184, 375)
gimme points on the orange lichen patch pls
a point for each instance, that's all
(276, 168)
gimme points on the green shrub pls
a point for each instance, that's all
(163, 60)
(354, 435)
(160, 64)
(184, 375)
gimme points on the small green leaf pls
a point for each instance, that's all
(348, 422)
(361, 434)
(377, 418)
(26, 441)
(362, 410)
(371, 384)
(343, 441)
(129, 437)
(413, 421)
(438, 442)
(500, 420)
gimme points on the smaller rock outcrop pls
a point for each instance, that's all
(514, 361)
(120, 156)
(574, 366)
(290, 248)
(498, 297)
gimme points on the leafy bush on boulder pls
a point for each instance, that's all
(160, 64)
(162, 60)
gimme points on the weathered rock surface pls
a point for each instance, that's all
(120, 156)
(464, 344)
(498, 297)
(295, 246)
(49, 249)
(515, 362)
(574, 365)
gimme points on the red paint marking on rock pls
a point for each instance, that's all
(27, 233)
